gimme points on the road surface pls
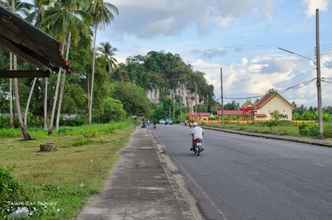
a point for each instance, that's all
(240, 177)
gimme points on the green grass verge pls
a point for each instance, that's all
(73, 173)
(284, 129)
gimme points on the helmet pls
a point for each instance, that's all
(195, 124)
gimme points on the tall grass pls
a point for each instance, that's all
(85, 130)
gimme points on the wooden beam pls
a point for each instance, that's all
(24, 73)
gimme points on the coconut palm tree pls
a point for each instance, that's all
(108, 52)
(102, 13)
(20, 7)
(36, 15)
(64, 19)
(37, 12)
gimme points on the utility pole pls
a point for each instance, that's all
(222, 96)
(195, 104)
(319, 80)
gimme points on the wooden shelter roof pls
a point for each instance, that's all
(29, 43)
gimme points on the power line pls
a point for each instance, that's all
(296, 86)
(296, 54)
(326, 81)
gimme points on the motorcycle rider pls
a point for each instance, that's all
(197, 135)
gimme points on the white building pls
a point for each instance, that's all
(270, 103)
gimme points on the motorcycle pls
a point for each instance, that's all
(198, 147)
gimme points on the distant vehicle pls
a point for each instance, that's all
(162, 122)
(169, 122)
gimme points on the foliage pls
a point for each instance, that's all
(10, 192)
(132, 97)
(165, 71)
(232, 106)
(311, 130)
(112, 110)
(60, 183)
(9, 187)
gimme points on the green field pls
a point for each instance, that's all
(281, 128)
(66, 178)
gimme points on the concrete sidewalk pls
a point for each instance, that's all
(140, 187)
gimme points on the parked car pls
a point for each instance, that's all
(162, 122)
(169, 122)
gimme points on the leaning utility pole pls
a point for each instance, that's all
(319, 81)
(222, 96)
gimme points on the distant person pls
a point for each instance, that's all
(197, 134)
(144, 124)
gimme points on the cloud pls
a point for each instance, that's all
(149, 18)
(256, 75)
(208, 53)
(312, 5)
(328, 64)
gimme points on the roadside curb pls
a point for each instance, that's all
(178, 182)
(274, 137)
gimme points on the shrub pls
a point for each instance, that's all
(328, 131)
(112, 110)
(311, 130)
(10, 191)
(4, 121)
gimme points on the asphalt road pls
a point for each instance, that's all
(240, 177)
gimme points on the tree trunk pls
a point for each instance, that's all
(11, 109)
(63, 82)
(93, 73)
(56, 95)
(25, 134)
(45, 103)
(28, 102)
(88, 92)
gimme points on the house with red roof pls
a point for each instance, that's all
(264, 108)
(273, 102)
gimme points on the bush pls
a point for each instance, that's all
(112, 110)
(328, 131)
(10, 192)
(33, 121)
(133, 98)
(4, 121)
(310, 130)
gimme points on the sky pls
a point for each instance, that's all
(241, 36)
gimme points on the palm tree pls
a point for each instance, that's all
(17, 6)
(35, 16)
(21, 7)
(64, 19)
(28, 102)
(108, 52)
(37, 12)
(102, 13)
